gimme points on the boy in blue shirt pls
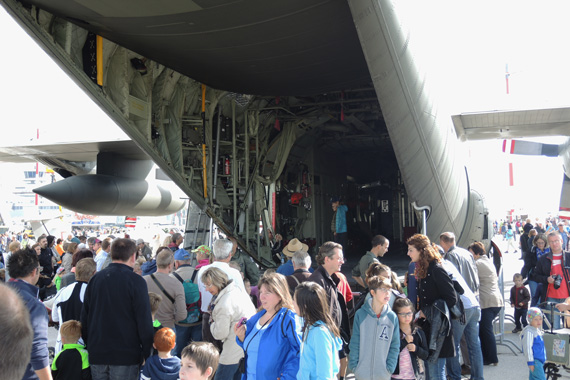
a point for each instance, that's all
(163, 366)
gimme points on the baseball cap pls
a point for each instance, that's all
(181, 254)
(140, 241)
(335, 199)
(203, 249)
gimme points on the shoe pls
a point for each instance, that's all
(516, 330)
(506, 251)
(465, 370)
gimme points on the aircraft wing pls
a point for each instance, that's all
(512, 124)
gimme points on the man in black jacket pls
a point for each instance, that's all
(117, 324)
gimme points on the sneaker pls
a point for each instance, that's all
(516, 330)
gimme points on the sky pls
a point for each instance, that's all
(463, 47)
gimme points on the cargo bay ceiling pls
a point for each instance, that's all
(293, 47)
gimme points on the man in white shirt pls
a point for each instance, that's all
(221, 254)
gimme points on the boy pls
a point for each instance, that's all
(199, 361)
(58, 276)
(377, 329)
(533, 344)
(520, 297)
(72, 362)
(163, 366)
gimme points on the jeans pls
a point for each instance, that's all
(185, 335)
(471, 331)
(114, 372)
(435, 371)
(227, 372)
(537, 295)
(412, 285)
(487, 335)
(520, 317)
(557, 318)
(538, 373)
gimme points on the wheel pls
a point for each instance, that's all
(551, 371)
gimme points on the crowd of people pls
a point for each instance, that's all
(126, 311)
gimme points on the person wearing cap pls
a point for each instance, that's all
(203, 254)
(247, 266)
(144, 250)
(186, 332)
(338, 223)
(379, 248)
(294, 245)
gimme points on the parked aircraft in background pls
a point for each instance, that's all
(262, 112)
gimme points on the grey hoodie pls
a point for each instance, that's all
(375, 343)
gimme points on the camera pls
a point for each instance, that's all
(557, 281)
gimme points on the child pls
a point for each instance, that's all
(72, 362)
(199, 361)
(376, 331)
(321, 337)
(533, 345)
(58, 276)
(413, 343)
(163, 366)
(155, 300)
(520, 297)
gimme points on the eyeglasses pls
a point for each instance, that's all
(383, 290)
(406, 314)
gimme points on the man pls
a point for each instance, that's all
(330, 259)
(102, 259)
(286, 269)
(461, 259)
(186, 333)
(469, 330)
(524, 243)
(564, 235)
(94, 245)
(144, 250)
(301, 264)
(116, 320)
(45, 262)
(17, 335)
(552, 267)
(379, 248)
(176, 241)
(338, 223)
(68, 302)
(173, 305)
(247, 266)
(222, 255)
(24, 269)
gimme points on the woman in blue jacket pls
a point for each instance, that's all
(270, 339)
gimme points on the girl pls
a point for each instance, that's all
(413, 343)
(321, 337)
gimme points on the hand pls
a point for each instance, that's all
(278, 237)
(520, 303)
(562, 307)
(411, 347)
(531, 367)
(239, 330)
(550, 280)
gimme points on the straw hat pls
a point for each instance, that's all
(294, 246)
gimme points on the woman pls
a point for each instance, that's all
(68, 256)
(69, 278)
(435, 290)
(491, 302)
(229, 304)
(270, 339)
(539, 248)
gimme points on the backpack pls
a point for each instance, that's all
(192, 294)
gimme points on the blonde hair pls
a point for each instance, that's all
(70, 331)
(155, 300)
(277, 284)
(215, 277)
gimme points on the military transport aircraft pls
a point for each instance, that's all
(261, 111)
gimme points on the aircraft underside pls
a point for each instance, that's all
(344, 114)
